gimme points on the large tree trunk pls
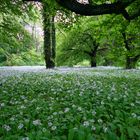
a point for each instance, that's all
(47, 38)
(131, 62)
(49, 35)
(93, 60)
(94, 49)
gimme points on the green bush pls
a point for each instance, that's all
(25, 58)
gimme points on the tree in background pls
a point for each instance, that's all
(114, 47)
(125, 35)
(118, 7)
(131, 39)
(129, 9)
(83, 42)
(14, 38)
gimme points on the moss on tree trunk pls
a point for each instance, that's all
(48, 38)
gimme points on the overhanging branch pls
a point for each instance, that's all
(130, 17)
(80, 50)
(89, 10)
(32, 0)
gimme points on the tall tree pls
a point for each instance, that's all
(83, 42)
(133, 51)
(49, 33)
(126, 36)
(47, 37)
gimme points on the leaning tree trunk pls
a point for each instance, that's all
(47, 38)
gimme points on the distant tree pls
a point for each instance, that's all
(125, 35)
(83, 42)
(14, 39)
(132, 46)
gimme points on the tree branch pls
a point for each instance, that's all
(137, 57)
(126, 41)
(102, 49)
(89, 10)
(79, 50)
(135, 15)
(95, 45)
(130, 17)
(32, 0)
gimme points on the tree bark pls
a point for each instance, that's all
(118, 7)
(90, 10)
(47, 37)
(131, 62)
(53, 40)
(93, 60)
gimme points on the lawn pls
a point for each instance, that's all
(70, 104)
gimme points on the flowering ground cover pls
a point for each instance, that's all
(70, 104)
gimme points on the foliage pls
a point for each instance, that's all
(74, 105)
(86, 33)
(30, 57)
(107, 31)
(14, 38)
(16, 41)
(129, 44)
(19, 9)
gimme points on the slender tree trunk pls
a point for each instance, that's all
(53, 40)
(107, 62)
(47, 37)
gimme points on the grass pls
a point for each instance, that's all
(72, 105)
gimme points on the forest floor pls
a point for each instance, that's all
(9, 70)
(65, 103)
